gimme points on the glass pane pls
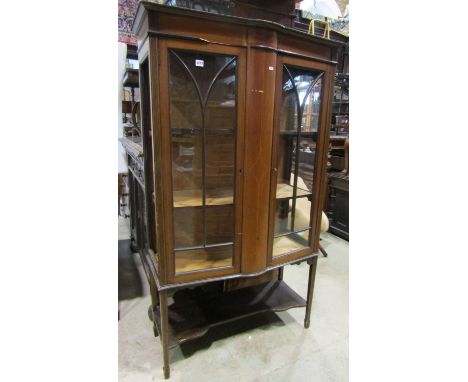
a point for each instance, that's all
(220, 149)
(304, 183)
(187, 180)
(185, 106)
(285, 165)
(306, 164)
(203, 106)
(283, 216)
(290, 243)
(311, 107)
(204, 68)
(219, 224)
(203, 258)
(220, 111)
(186, 123)
(219, 168)
(289, 105)
(308, 87)
(289, 186)
(296, 158)
(302, 214)
(188, 229)
(285, 183)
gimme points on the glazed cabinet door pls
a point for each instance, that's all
(301, 102)
(202, 89)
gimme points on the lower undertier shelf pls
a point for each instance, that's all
(194, 311)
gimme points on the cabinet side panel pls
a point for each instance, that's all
(157, 157)
(261, 70)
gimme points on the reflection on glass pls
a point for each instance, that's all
(219, 224)
(289, 106)
(299, 122)
(311, 107)
(202, 92)
(302, 214)
(220, 112)
(188, 230)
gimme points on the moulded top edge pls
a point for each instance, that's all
(154, 7)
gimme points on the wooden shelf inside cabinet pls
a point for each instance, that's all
(285, 191)
(219, 197)
(304, 134)
(199, 259)
(286, 244)
(194, 311)
(193, 198)
(195, 131)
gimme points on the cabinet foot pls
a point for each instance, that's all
(164, 333)
(167, 372)
(310, 290)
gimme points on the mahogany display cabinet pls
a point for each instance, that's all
(235, 120)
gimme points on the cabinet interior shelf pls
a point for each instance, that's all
(304, 134)
(285, 191)
(193, 198)
(195, 311)
(196, 131)
(289, 243)
(199, 259)
(223, 196)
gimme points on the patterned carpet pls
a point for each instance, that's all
(127, 9)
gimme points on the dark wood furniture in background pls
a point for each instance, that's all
(123, 195)
(130, 81)
(136, 191)
(231, 166)
(279, 11)
(337, 204)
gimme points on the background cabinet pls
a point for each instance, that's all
(235, 121)
(338, 184)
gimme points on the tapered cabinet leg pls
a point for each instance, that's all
(310, 290)
(164, 332)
